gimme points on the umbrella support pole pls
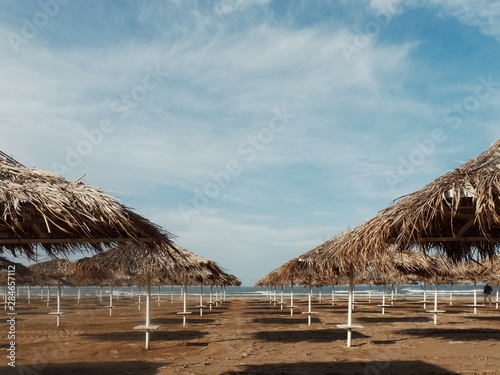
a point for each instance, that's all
(148, 327)
(210, 302)
(309, 312)
(184, 313)
(282, 303)
(201, 305)
(496, 301)
(349, 326)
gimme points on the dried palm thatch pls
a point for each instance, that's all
(51, 272)
(302, 270)
(130, 259)
(38, 208)
(199, 270)
(457, 214)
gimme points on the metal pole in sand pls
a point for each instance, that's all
(281, 298)
(370, 293)
(496, 302)
(435, 302)
(201, 299)
(210, 300)
(100, 293)
(41, 292)
(319, 295)
(383, 299)
(475, 296)
(159, 298)
(425, 295)
(291, 299)
(185, 304)
(58, 303)
(349, 310)
(29, 294)
(451, 294)
(139, 303)
(78, 298)
(333, 295)
(392, 294)
(148, 317)
(110, 299)
(309, 306)
(171, 294)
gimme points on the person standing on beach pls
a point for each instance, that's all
(487, 293)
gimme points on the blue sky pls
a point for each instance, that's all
(253, 130)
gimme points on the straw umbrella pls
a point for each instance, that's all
(141, 262)
(41, 209)
(457, 214)
(53, 271)
(198, 271)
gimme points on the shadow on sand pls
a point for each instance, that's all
(84, 368)
(389, 367)
(455, 334)
(320, 335)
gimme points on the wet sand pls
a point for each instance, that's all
(252, 336)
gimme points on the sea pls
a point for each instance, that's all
(406, 290)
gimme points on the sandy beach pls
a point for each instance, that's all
(252, 336)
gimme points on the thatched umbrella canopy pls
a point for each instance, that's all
(457, 214)
(140, 261)
(53, 272)
(38, 208)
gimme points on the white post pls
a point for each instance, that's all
(349, 310)
(497, 298)
(281, 299)
(210, 300)
(451, 294)
(201, 299)
(29, 294)
(148, 317)
(475, 296)
(58, 303)
(159, 296)
(110, 299)
(291, 299)
(425, 295)
(185, 304)
(333, 295)
(309, 305)
(383, 299)
(435, 302)
(79, 295)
